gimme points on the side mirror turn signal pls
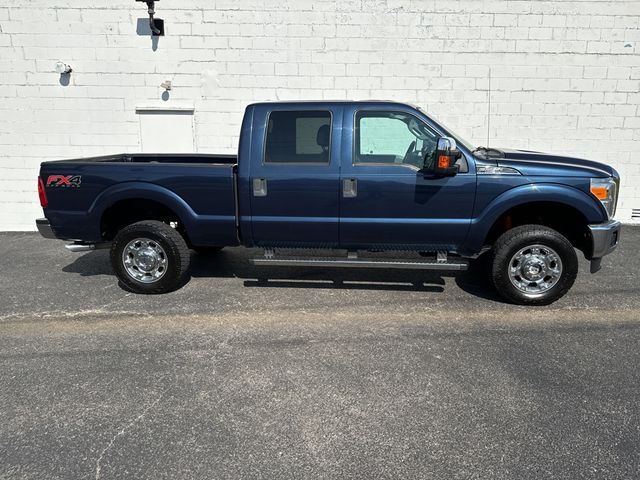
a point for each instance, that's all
(446, 156)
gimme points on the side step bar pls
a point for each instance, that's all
(353, 262)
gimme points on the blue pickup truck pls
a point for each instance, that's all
(360, 178)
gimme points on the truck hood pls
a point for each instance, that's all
(544, 164)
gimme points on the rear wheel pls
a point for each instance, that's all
(150, 257)
(533, 265)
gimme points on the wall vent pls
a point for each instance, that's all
(635, 213)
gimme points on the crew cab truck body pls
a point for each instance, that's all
(348, 176)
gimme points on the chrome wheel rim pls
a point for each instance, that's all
(535, 269)
(144, 260)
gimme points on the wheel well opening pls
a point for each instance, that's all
(566, 220)
(126, 212)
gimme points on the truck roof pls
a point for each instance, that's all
(334, 102)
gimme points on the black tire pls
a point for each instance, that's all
(173, 246)
(511, 243)
(207, 250)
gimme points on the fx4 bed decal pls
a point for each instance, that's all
(64, 180)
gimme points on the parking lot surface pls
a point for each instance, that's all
(256, 372)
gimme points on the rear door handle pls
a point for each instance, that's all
(350, 188)
(259, 187)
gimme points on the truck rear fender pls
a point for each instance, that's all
(548, 193)
(142, 191)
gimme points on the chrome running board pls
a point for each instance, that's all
(352, 261)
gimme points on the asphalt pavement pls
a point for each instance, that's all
(256, 372)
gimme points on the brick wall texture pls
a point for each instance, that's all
(565, 74)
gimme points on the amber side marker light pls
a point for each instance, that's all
(601, 193)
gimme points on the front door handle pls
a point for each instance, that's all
(350, 188)
(259, 187)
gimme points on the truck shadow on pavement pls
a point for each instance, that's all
(231, 263)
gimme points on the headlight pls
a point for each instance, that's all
(606, 190)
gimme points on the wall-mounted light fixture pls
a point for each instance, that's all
(155, 24)
(62, 68)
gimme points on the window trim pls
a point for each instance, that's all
(266, 133)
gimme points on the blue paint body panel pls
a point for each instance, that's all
(200, 194)
(301, 207)
(397, 206)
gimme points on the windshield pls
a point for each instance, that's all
(468, 145)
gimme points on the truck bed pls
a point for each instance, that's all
(198, 188)
(175, 158)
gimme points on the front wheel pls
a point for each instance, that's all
(533, 265)
(150, 257)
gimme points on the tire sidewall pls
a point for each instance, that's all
(157, 233)
(521, 237)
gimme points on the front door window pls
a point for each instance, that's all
(392, 138)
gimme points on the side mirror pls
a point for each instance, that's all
(446, 155)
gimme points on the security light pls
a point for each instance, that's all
(155, 24)
(62, 68)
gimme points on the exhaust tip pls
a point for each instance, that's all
(80, 247)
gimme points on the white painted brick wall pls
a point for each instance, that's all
(566, 74)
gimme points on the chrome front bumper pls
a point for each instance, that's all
(44, 227)
(604, 240)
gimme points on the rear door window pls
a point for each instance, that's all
(302, 137)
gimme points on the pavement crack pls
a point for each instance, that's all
(122, 431)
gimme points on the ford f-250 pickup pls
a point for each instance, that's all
(355, 177)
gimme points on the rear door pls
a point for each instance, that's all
(386, 199)
(295, 187)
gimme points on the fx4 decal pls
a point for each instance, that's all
(64, 180)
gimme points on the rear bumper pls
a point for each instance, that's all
(605, 238)
(44, 227)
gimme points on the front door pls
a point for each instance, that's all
(295, 189)
(386, 199)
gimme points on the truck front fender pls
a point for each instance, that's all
(531, 193)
